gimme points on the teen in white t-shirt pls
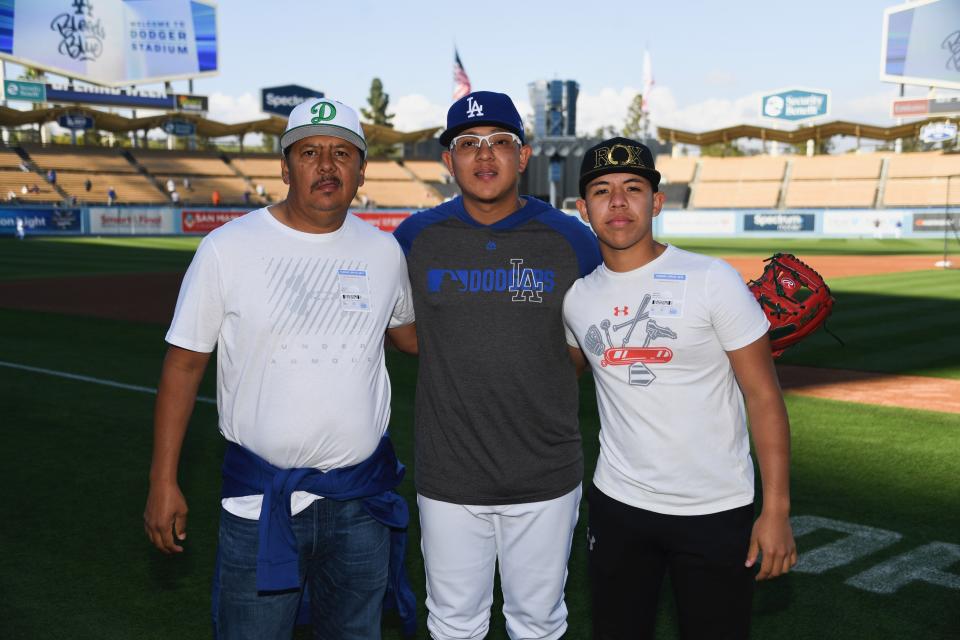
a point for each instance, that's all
(680, 356)
(674, 437)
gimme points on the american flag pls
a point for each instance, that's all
(461, 83)
(647, 80)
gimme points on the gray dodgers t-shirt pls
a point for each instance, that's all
(497, 396)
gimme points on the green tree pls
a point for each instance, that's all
(378, 101)
(269, 143)
(606, 131)
(377, 114)
(721, 150)
(636, 126)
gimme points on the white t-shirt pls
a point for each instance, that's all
(298, 320)
(673, 435)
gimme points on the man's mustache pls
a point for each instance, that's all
(331, 178)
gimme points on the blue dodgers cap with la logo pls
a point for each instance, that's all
(482, 108)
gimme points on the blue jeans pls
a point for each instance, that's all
(344, 558)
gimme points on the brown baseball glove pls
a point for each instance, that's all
(794, 297)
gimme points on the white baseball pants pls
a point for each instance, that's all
(461, 546)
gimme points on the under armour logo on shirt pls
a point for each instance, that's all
(473, 108)
(618, 310)
(591, 540)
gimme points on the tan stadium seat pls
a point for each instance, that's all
(201, 190)
(923, 165)
(258, 167)
(752, 168)
(9, 159)
(385, 170)
(427, 170)
(831, 193)
(847, 167)
(130, 188)
(14, 180)
(398, 193)
(178, 164)
(676, 170)
(914, 192)
(67, 158)
(752, 194)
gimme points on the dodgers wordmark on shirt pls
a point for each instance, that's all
(673, 433)
(298, 320)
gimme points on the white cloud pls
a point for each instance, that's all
(233, 109)
(873, 109)
(609, 107)
(714, 113)
(415, 112)
(720, 78)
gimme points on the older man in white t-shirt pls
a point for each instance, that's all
(296, 299)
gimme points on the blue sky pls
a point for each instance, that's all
(711, 60)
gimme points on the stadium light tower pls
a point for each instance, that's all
(947, 224)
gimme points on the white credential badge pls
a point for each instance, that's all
(666, 300)
(354, 290)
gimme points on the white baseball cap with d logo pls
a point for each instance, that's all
(324, 117)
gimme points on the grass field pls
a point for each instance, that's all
(76, 563)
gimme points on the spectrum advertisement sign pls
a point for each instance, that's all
(40, 220)
(112, 42)
(779, 222)
(281, 100)
(206, 220)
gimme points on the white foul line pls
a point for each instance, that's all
(100, 381)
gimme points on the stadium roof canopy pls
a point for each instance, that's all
(273, 125)
(816, 133)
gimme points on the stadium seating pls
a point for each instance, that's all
(745, 195)
(428, 171)
(15, 180)
(750, 168)
(923, 165)
(845, 167)
(159, 162)
(921, 192)
(674, 170)
(9, 159)
(831, 193)
(397, 193)
(83, 159)
(139, 176)
(129, 187)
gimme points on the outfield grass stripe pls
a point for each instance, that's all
(100, 381)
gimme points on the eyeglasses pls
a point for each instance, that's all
(501, 141)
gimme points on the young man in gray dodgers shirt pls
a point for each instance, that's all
(498, 457)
